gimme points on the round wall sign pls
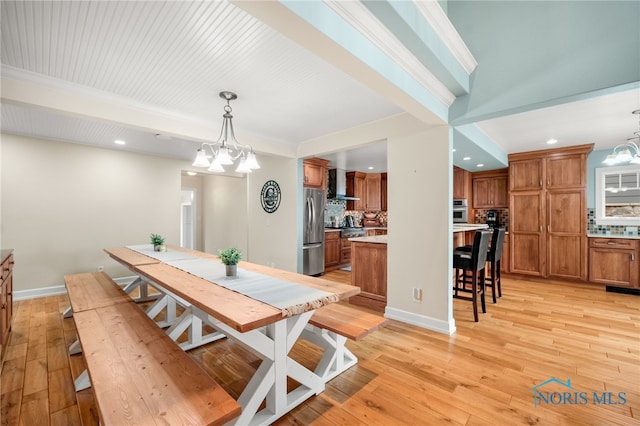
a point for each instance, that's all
(270, 196)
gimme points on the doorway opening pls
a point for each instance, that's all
(187, 218)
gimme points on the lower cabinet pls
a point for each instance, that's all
(369, 272)
(614, 262)
(331, 249)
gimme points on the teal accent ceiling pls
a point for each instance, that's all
(470, 141)
(541, 53)
(409, 26)
(329, 23)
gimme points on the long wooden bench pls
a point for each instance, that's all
(330, 327)
(137, 373)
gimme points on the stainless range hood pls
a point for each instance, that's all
(337, 186)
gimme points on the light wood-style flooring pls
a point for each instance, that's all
(481, 375)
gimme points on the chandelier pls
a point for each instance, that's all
(628, 152)
(222, 152)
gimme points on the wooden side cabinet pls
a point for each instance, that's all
(461, 183)
(6, 298)
(331, 249)
(383, 192)
(315, 173)
(372, 191)
(614, 261)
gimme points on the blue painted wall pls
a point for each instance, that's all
(531, 52)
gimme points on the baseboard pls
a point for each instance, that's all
(58, 289)
(623, 290)
(429, 323)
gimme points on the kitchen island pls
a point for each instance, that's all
(369, 271)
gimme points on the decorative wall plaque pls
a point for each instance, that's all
(270, 196)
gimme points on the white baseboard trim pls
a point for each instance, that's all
(58, 289)
(434, 324)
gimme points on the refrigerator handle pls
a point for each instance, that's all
(312, 223)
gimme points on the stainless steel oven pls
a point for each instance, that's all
(460, 210)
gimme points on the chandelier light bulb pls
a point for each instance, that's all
(215, 166)
(201, 159)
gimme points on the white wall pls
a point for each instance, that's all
(420, 239)
(274, 236)
(63, 203)
(196, 183)
(225, 213)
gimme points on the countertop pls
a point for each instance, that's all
(626, 237)
(464, 227)
(375, 239)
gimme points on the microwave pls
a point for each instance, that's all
(460, 210)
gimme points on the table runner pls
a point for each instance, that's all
(290, 297)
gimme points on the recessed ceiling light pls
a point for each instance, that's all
(191, 173)
(480, 165)
(370, 168)
(453, 150)
(119, 142)
(552, 141)
(467, 158)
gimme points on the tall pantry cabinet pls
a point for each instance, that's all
(548, 214)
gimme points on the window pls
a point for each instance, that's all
(618, 195)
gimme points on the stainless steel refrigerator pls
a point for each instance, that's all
(313, 242)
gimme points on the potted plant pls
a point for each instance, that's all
(158, 242)
(230, 257)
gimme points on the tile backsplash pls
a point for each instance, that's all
(503, 216)
(339, 208)
(617, 230)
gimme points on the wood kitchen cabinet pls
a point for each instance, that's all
(548, 220)
(372, 192)
(369, 272)
(6, 298)
(331, 249)
(506, 256)
(490, 190)
(461, 183)
(356, 188)
(383, 192)
(614, 262)
(315, 173)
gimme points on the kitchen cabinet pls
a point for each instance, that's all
(6, 298)
(383, 192)
(356, 188)
(331, 249)
(315, 173)
(372, 192)
(506, 255)
(490, 190)
(345, 251)
(369, 272)
(547, 208)
(461, 183)
(614, 262)
(366, 187)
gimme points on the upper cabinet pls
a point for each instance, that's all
(315, 173)
(461, 183)
(368, 187)
(559, 170)
(490, 189)
(525, 174)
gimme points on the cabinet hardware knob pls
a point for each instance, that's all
(633, 257)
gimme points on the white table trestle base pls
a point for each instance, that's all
(143, 290)
(336, 358)
(272, 344)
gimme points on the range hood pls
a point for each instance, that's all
(337, 186)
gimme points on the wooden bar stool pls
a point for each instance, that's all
(472, 265)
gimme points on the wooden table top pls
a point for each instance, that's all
(234, 309)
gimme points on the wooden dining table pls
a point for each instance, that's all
(266, 330)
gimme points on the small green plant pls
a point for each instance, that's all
(157, 240)
(230, 256)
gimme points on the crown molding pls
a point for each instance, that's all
(439, 21)
(360, 18)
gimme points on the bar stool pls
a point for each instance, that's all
(472, 265)
(494, 256)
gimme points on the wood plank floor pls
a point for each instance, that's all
(481, 375)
